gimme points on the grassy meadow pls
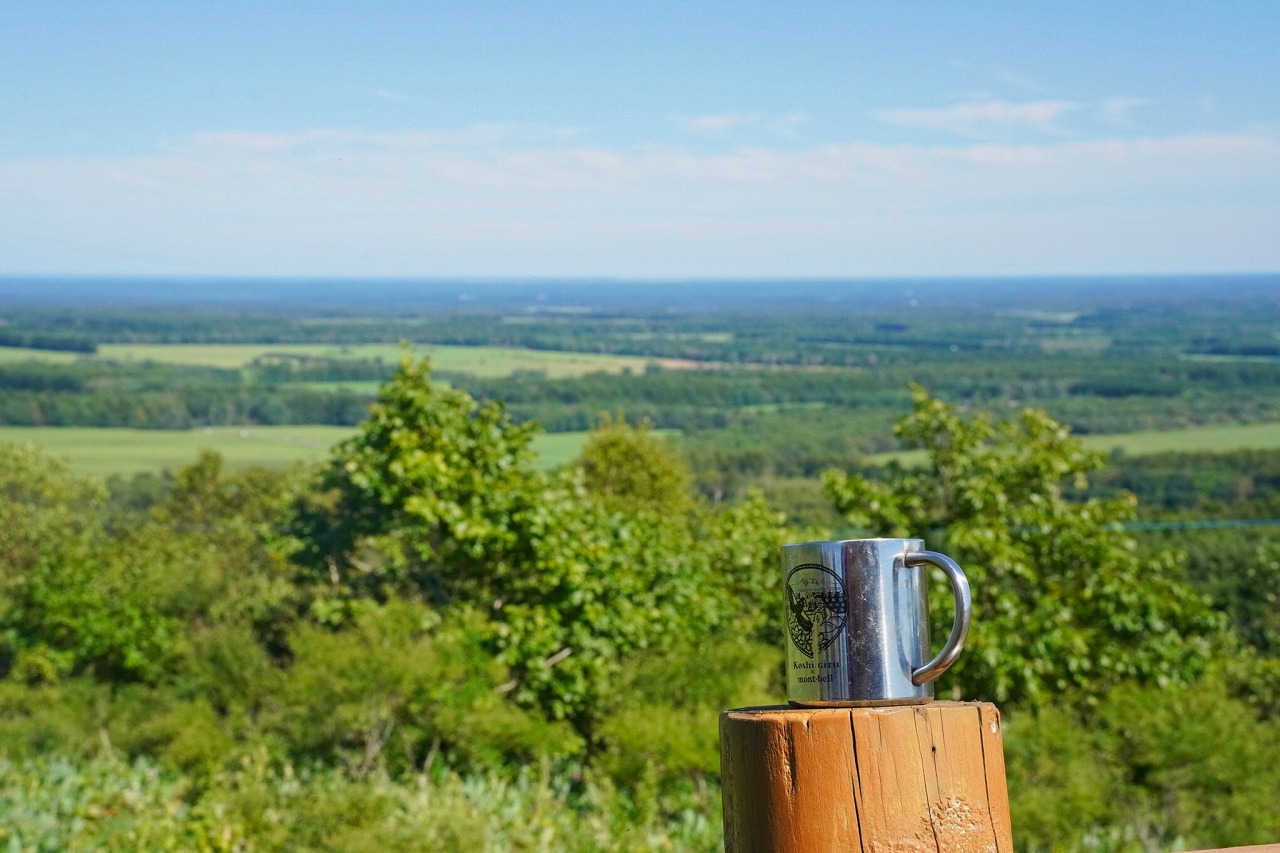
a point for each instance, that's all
(107, 451)
(102, 452)
(479, 361)
(16, 355)
(1206, 439)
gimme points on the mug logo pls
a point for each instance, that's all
(817, 607)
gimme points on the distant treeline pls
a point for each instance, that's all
(153, 396)
(784, 394)
(939, 325)
(292, 367)
(1041, 379)
(46, 340)
(1237, 348)
(1239, 484)
(790, 421)
(184, 408)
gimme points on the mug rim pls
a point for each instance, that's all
(865, 539)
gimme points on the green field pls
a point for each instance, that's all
(103, 452)
(477, 361)
(1209, 439)
(10, 355)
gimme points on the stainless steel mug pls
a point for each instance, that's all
(857, 621)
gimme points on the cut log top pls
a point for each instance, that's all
(896, 779)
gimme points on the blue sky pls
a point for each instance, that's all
(642, 140)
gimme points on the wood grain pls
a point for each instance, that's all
(882, 780)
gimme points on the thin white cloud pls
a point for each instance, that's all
(501, 201)
(1119, 111)
(1019, 80)
(390, 95)
(718, 123)
(789, 124)
(724, 124)
(972, 117)
(472, 137)
(1008, 77)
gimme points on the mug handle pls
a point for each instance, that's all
(964, 614)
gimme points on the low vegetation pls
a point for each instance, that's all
(117, 452)
(426, 642)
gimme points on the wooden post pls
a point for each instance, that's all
(895, 779)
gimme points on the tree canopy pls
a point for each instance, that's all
(1062, 599)
(434, 499)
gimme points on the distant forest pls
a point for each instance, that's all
(794, 377)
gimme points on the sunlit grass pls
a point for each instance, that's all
(1206, 439)
(477, 361)
(11, 355)
(101, 452)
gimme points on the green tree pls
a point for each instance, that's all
(1062, 600)
(434, 500)
(629, 465)
(422, 497)
(399, 684)
(213, 543)
(65, 605)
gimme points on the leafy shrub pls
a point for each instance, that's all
(1146, 768)
(1062, 601)
(63, 608)
(663, 727)
(435, 501)
(66, 718)
(401, 683)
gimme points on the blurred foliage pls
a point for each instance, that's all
(627, 465)
(1147, 768)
